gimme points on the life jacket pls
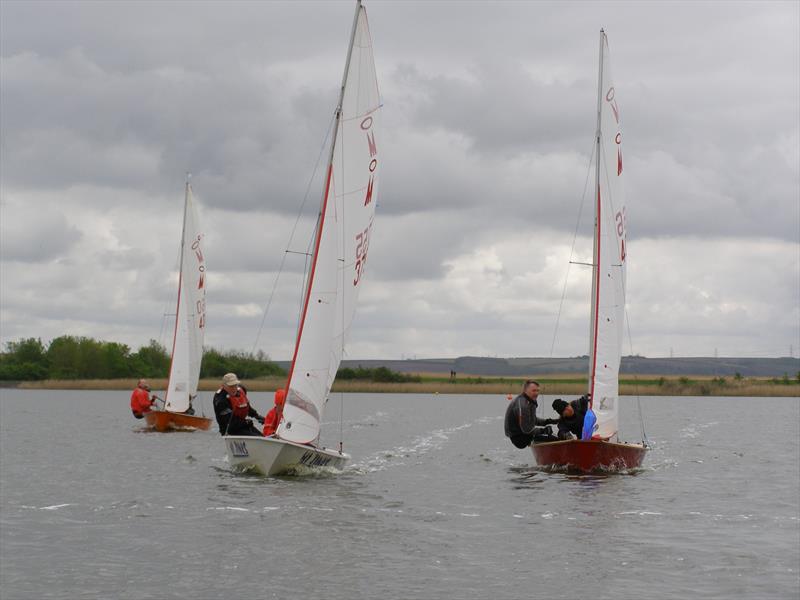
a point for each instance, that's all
(140, 402)
(271, 422)
(240, 405)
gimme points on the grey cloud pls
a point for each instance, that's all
(33, 237)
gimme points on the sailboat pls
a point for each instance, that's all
(341, 243)
(603, 451)
(187, 341)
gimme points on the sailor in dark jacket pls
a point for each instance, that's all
(521, 420)
(233, 409)
(572, 415)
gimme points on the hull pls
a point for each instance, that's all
(589, 456)
(273, 456)
(162, 420)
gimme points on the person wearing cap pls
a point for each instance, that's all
(233, 409)
(273, 417)
(571, 417)
(521, 420)
(141, 400)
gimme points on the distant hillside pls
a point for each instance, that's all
(524, 367)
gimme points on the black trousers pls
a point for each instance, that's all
(540, 434)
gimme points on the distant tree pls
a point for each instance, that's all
(63, 355)
(737, 376)
(23, 360)
(244, 364)
(150, 361)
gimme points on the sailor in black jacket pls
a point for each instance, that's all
(521, 420)
(572, 415)
(233, 409)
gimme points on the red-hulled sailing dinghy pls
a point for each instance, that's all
(608, 302)
(341, 243)
(187, 342)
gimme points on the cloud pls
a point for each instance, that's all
(487, 134)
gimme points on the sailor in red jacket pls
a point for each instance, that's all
(273, 417)
(141, 400)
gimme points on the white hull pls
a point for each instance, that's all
(273, 456)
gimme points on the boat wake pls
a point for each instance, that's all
(421, 445)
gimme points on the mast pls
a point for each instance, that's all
(596, 245)
(180, 285)
(324, 201)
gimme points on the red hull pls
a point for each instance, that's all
(589, 456)
(161, 420)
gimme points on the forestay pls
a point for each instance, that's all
(608, 301)
(187, 345)
(342, 243)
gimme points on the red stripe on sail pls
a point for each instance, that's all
(174, 334)
(310, 282)
(596, 304)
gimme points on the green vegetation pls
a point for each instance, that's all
(379, 374)
(71, 358)
(245, 365)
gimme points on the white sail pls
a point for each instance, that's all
(608, 301)
(343, 236)
(187, 345)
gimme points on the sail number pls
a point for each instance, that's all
(200, 307)
(362, 246)
(362, 237)
(620, 219)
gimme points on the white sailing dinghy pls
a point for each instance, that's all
(187, 341)
(603, 451)
(341, 244)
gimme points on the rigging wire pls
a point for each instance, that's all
(645, 441)
(572, 249)
(291, 235)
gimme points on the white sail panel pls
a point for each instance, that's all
(343, 241)
(187, 348)
(308, 384)
(609, 288)
(356, 164)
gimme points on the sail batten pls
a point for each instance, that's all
(344, 229)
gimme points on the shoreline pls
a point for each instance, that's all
(649, 385)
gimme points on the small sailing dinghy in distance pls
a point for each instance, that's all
(341, 243)
(187, 341)
(608, 302)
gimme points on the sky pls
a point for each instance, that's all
(487, 130)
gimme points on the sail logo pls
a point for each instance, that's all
(366, 126)
(238, 448)
(612, 101)
(200, 306)
(312, 459)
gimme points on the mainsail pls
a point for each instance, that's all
(608, 288)
(187, 345)
(342, 241)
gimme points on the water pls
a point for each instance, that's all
(436, 504)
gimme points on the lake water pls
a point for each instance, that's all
(435, 504)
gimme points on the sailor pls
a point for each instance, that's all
(273, 417)
(233, 409)
(572, 414)
(521, 420)
(141, 400)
